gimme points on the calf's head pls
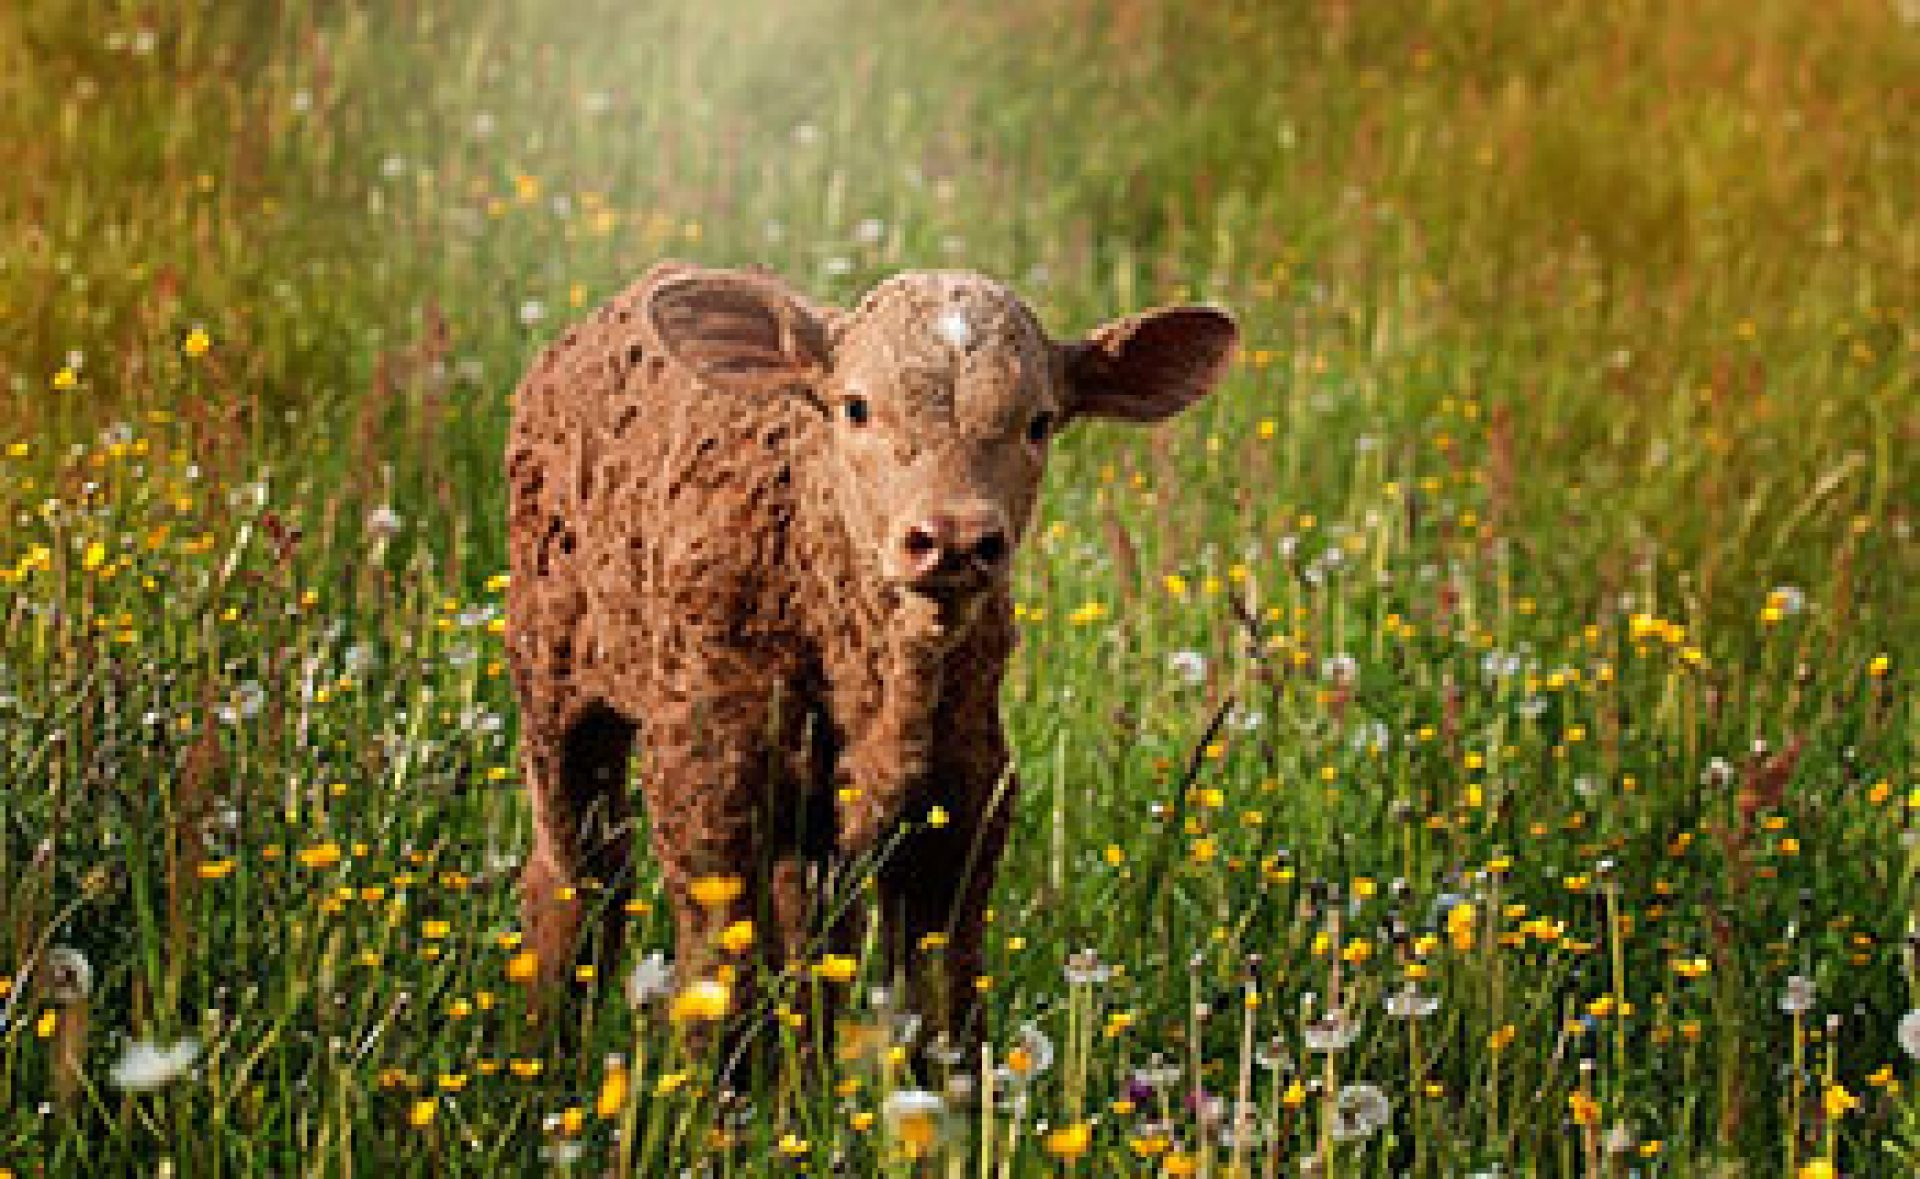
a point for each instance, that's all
(941, 396)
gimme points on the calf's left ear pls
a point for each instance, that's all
(739, 331)
(1149, 366)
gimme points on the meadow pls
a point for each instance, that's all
(1481, 740)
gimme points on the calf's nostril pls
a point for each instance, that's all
(921, 540)
(990, 549)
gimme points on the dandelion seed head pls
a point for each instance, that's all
(1341, 669)
(1908, 1033)
(1084, 968)
(914, 1117)
(1799, 995)
(1619, 1140)
(1359, 1111)
(1190, 666)
(67, 976)
(146, 1065)
(1410, 1003)
(1333, 1032)
(383, 522)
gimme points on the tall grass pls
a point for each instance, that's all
(1497, 701)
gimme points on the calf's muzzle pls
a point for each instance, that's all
(960, 547)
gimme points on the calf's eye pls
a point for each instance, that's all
(856, 410)
(1040, 427)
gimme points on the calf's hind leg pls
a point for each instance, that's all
(580, 868)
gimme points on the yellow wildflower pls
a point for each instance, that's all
(613, 1089)
(914, 1118)
(737, 938)
(523, 966)
(1690, 968)
(1149, 1145)
(1070, 1142)
(1087, 614)
(1838, 1102)
(322, 855)
(704, 1000)
(835, 968)
(1460, 925)
(714, 892)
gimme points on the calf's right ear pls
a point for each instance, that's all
(1150, 366)
(739, 332)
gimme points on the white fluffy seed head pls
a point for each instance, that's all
(1909, 1033)
(148, 1065)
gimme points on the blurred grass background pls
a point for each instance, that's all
(1671, 244)
(1558, 314)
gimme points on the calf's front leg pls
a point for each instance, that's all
(936, 887)
(712, 786)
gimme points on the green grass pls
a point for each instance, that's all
(1573, 335)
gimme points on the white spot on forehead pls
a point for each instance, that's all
(952, 327)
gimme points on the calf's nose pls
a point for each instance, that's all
(955, 543)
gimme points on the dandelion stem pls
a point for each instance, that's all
(1241, 1114)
